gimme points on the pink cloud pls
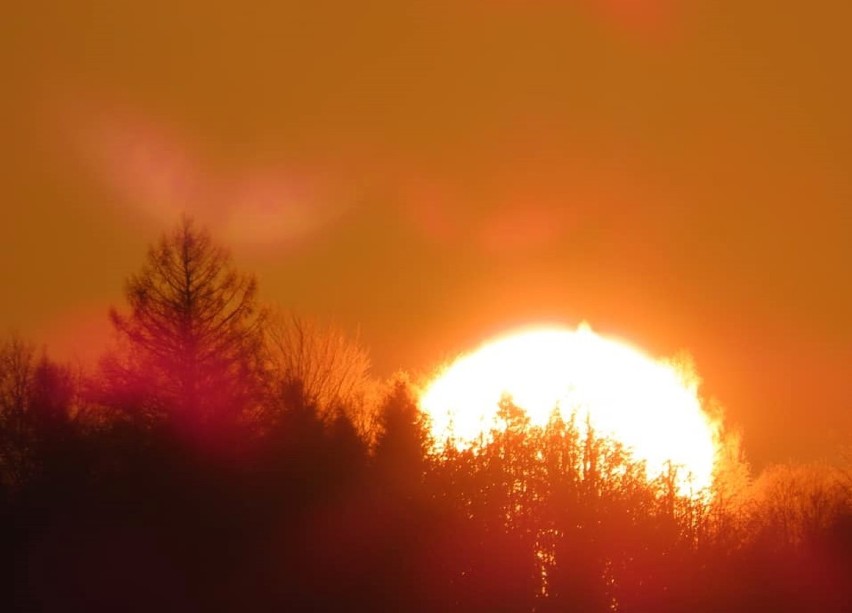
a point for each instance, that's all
(530, 195)
(150, 167)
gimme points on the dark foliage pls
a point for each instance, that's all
(101, 510)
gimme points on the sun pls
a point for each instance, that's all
(651, 406)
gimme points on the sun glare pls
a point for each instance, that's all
(650, 406)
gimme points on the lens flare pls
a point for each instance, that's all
(650, 406)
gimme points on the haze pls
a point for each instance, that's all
(434, 173)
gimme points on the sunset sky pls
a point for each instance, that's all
(674, 172)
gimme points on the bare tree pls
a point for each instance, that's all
(17, 370)
(192, 339)
(331, 368)
(793, 504)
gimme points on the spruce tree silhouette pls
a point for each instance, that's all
(192, 336)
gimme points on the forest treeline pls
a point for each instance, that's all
(227, 457)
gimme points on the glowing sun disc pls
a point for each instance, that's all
(650, 406)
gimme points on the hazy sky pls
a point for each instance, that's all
(675, 172)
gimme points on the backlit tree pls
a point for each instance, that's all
(330, 369)
(192, 337)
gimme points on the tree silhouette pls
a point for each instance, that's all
(107, 510)
(331, 370)
(401, 446)
(17, 371)
(192, 337)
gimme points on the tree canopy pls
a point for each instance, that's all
(192, 335)
(317, 513)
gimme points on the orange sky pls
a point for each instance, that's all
(677, 173)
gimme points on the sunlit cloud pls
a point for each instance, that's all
(524, 193)
(508, 223)
(152, 168)
(532, 217)
(144, 164)
(278, 206)
(514, 205)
